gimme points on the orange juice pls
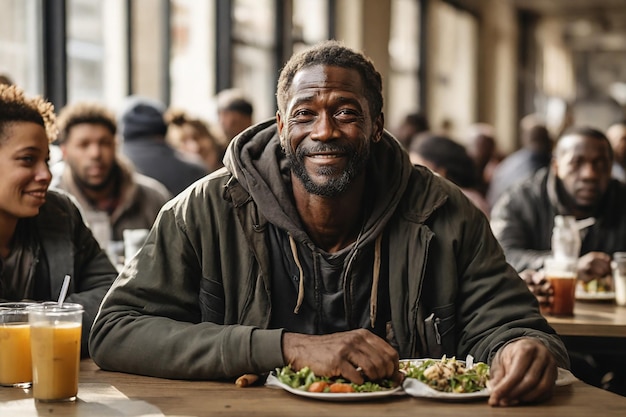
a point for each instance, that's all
(56, 358)
(15, 363)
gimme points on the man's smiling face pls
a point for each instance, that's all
(327, 128)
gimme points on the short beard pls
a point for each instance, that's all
(570, 202)
(336, 185)
(113, 173)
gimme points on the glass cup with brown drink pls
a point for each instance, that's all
(561, 273)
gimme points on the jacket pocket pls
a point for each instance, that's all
(211, 299)
(440, 332)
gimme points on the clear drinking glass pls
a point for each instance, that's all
(15, 360)
(619, 277)
(55, 334)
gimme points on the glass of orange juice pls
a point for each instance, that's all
(15, 362)
(55, 345)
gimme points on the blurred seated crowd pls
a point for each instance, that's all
(122, 165)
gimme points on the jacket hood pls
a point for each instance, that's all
(256, 160)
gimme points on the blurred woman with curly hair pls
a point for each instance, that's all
(42, 234)
(196, 138)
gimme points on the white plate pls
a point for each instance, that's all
(274, 382)
(595, 296)
(419, 389)
(564, 377)
(416, 388)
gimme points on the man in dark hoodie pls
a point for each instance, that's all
(320, 245)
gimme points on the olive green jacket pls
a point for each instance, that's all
(195, 303)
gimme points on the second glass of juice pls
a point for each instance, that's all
(55, 335)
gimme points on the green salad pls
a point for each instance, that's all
(304, 379)
(448, 374)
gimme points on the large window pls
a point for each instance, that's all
(96, 51)
(310, 23)
(404, 63)
(192, 57)
(85, 50)
(253, 52)
(453, 67)
(20, 44)
(183, 52)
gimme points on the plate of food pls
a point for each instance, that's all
(450, 379)
(305, 383)
(595, 290)
(446, 378)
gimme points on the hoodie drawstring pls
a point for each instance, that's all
(294, 252)
(375, 279)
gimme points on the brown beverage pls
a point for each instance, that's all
(561, 272)
(564, 288)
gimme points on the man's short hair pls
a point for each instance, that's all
(234, 100)
(587, 132)
(418, 121)
(84, 112)
(333, 54)
(445, 153)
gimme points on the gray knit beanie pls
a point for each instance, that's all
(140, 117)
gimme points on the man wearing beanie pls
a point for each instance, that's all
(143, 130)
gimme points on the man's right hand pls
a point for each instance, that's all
(594, 265)
(354, 355)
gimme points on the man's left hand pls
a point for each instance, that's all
(523, 371)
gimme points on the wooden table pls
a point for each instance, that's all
(115, 394)
(594, 319)
(596, 341)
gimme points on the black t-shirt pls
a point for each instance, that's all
(17, 271)
(333, 302)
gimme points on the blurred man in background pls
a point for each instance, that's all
(234, 112)
(102, 182)
(578, 183)
(536, 153)
(481, 147)
(411, 125)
